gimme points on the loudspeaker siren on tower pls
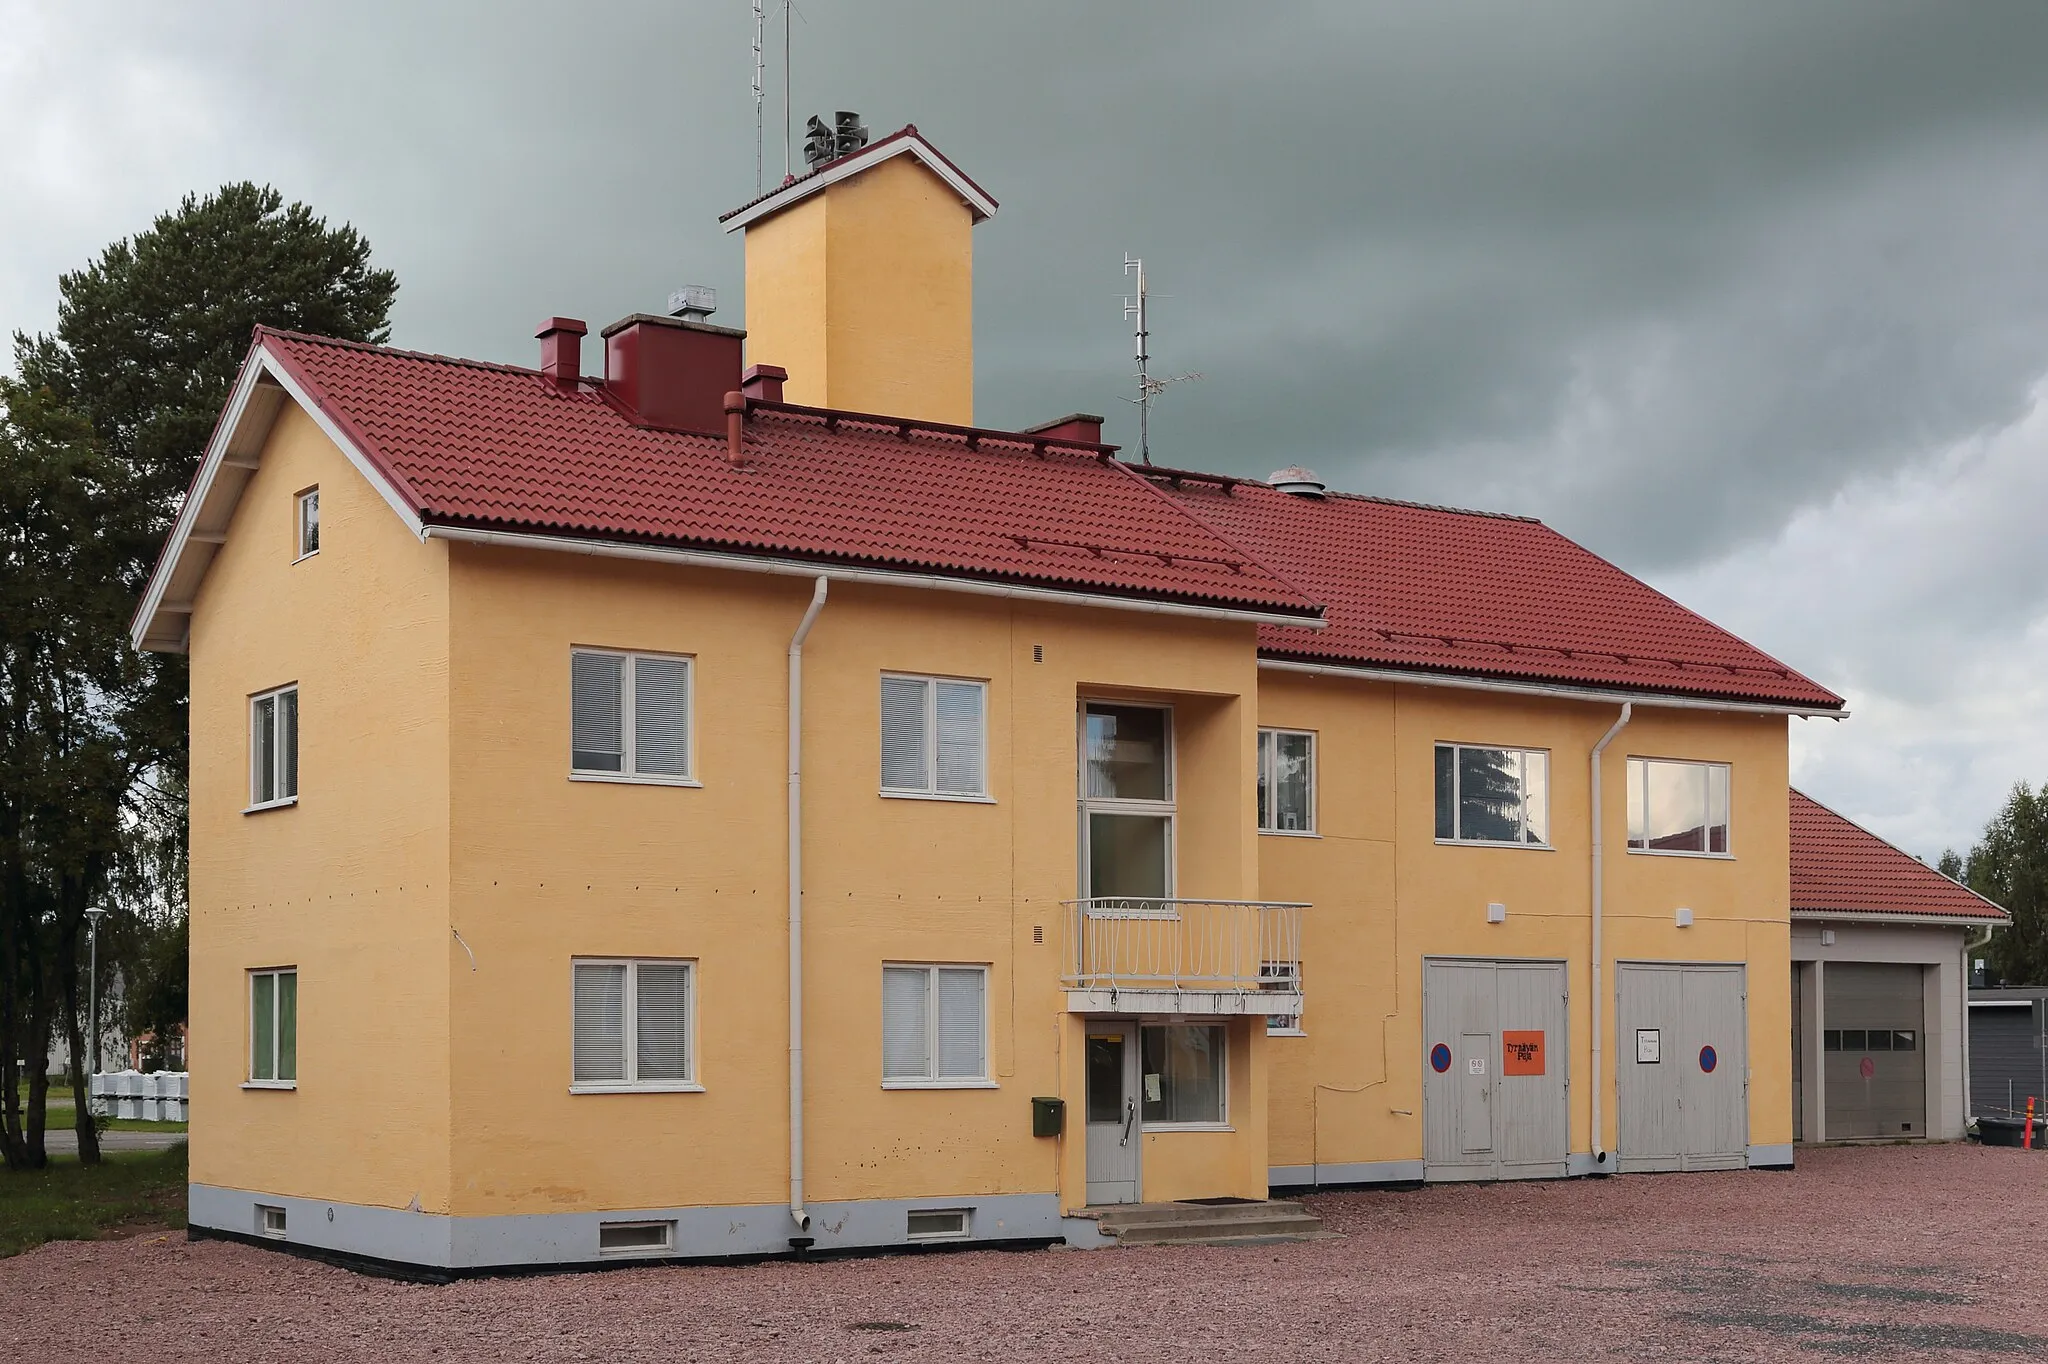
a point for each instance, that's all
(823, 142)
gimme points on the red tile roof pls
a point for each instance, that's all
(495, 446)
(1842, 868)
(1438, 590)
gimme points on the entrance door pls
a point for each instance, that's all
(1113, 1134)
(1681, 1073)
(1493, 1080)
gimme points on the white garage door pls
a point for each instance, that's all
(1493, 1077)
(1681, 1072)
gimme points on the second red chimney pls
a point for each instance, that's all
(671, 372)
(561, 351)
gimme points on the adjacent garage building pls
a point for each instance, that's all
(1880, 1028)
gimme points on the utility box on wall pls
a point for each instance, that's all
(1048, 1117)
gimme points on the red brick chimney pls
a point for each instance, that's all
(1078, 426)
(672, 372)
(763, 383)
(561, 351)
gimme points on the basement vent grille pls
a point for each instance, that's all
(634, 1238)
(937, 1224)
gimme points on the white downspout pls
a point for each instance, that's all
(1969, 951)
(796, 908)
(1600, 1158)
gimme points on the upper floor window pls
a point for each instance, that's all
(1287, 781)
(629, 716)
(1677, 807)
(934, 737)
(274, 747)
(1492, 795)
(274, 1027)
(934, 1025)
(309, 522)
(633, 1026)
(1127, 804)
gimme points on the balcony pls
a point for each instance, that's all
(1191, 957)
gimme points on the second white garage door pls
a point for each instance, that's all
(1682, 1069)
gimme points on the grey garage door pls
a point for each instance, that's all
(1681, 1075)
(1493, 1076)
(2007, 1062)
(1874, 1049)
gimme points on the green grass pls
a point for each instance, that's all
(71, 1202)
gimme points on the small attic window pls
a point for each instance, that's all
(309, 522)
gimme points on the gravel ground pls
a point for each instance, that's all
(1893, 1253)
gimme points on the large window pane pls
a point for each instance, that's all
(661, 994)
(1127, 856)
(1446, 791)
(1183, 1078)
(597, 719)
(288, 1025)
(288, 742)
(1717, 808)
(959, 708)
(1286, 785)
(1127, 752)
(1678, 806)
(961, 1027)
(1536, 797)
(904, 764)
(263, 1027)
(263, 758)
(600, 1042)
(661, 716)
(1490, 795)
(906, 1015)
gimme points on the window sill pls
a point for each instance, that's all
(937, 795)
(940, 1084)
(634, 779)
(1487, 843)
(1285, 1032)
(270, 1084)
(261, 806)
(1187, 1127)
(671, 1087)
(313, 554)
(1289, 833)
(1680, 852)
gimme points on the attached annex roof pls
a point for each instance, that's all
(459, 443)
(905, 141)
(1433, 590)
(1841, 868)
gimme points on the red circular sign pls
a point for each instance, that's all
(1867, 1067)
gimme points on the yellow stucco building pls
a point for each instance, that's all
(716, 811)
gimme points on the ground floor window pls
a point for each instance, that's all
(632, 1025)
(1184, 1073)
(274, 1027)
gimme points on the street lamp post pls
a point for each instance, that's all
(92, 984)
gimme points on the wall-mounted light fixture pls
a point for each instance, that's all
(1685, 918)
(1827, 937)
(1496, 913)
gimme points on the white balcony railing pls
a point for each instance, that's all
(1230, 950)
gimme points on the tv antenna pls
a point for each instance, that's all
(1148, 387)
(760, 89)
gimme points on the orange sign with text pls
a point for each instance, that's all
(1521, 1053)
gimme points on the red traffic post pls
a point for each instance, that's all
(2027, 1134)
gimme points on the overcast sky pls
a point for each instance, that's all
(1751, 298)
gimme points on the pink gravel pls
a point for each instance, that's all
(1893, 1253)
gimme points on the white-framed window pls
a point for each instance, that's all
(1127, 802)
(1185, 1068)
(1492, 795)
(307, 522)
(1281, 977)
(274, 1027)
(635, 1238)
(934, 1026)
(1287, 781)
(934, 737)
(937, 1224)
(1678, 807)
(630, 717)
(634, 1025)
(274, 747)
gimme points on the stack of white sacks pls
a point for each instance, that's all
(162, 1096)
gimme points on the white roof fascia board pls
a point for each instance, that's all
(260, 366)
(801, 568)
(912, 145)
(1904, 918)
(1557, 691)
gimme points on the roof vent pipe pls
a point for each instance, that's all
(561, 352)
(735, 430)
(1296, 480)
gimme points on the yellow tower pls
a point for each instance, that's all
(860, 281)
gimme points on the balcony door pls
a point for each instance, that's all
(1127, 807)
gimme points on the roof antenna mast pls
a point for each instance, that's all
(1148, 387)
(760, 55)
(788, 163)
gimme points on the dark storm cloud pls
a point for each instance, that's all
(1703, 285)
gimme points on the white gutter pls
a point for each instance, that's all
(1901, 919)
(1553, 691)
(1969, 946)
(1600, 1160)
(796, 908)
(798, 568)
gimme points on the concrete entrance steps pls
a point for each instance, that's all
(1208, 1224)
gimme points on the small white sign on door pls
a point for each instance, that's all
(1475, 1065)
(1646, 1046)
